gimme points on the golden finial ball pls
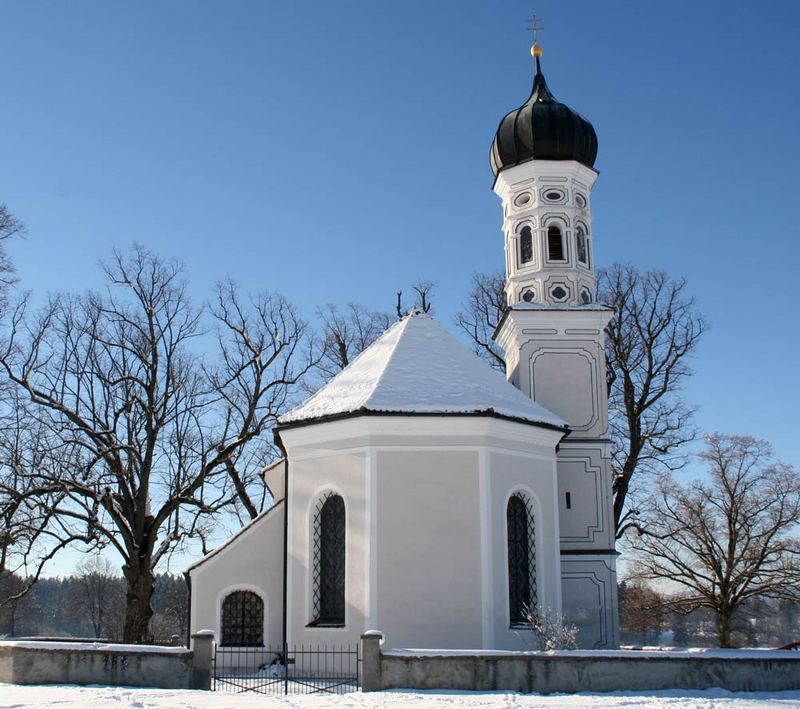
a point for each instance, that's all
(536, 50)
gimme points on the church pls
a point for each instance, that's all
(423, 494)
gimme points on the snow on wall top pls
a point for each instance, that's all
(92, 646)
(416, 366)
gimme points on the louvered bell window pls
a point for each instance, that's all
(555, 244)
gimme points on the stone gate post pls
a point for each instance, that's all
(371, 661)
(202, 659)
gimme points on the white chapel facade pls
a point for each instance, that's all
(422, 493)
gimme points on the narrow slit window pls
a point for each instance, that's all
(525, 245)
(555, 244)
(569, 501)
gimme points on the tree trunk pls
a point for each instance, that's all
(724, 628)
(138, 612)
(98, 624)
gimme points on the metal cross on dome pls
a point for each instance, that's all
(535, 26)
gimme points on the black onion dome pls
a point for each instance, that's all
(542, 129)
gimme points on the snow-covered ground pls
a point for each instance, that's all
(71, 697)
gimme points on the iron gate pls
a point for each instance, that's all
(308, 669)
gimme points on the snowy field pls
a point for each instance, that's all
(71, 697)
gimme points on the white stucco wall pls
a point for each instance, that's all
(428, 538)
(425, 501)
(558, 360)
(584, 474)
(251, 561)
(533, 474)
(311, 475)
(589, 587)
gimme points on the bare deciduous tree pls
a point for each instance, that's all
(347, 333)
(12, 590)
(642, 611)
(267, 350)
(145, 440)
(99, 597)
(653, 333)
(171, 603)
(9, 226)
(27, 540)
(423, 289)
(30, 535)
(726, 539)
(481, 313)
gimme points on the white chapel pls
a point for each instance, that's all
(423, 494)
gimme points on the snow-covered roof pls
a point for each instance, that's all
(416, 366)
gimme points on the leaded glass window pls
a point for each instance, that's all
(580, 237)
(329, 561)
(521, 557)
(555, 244)
(525, 245)
(243, 619)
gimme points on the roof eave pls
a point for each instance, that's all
(486, 413)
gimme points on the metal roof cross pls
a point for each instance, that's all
(535, 26)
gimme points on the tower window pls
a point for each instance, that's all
(521, 558)
(329, 561)
(525, 245)
(555, 244)
(583, 251)
(243, 619)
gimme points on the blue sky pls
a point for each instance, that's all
(338, 151)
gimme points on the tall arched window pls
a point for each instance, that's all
(329, 561)
(555, 244)
(521, 557)
(525, 245)
(581, 242)
(243, 619)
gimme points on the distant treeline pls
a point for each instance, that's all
(648, 617)
(90, 605)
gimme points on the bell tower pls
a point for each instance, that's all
(543, 157)
(552, 333)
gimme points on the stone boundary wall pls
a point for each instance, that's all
(25, 662)
(576, 671)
